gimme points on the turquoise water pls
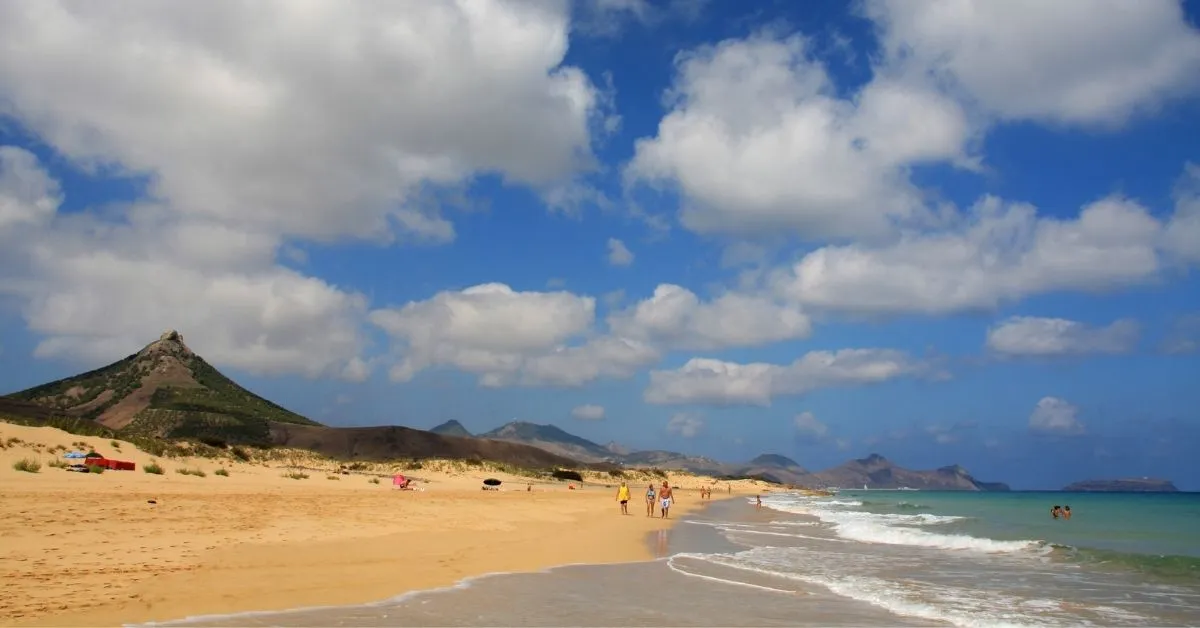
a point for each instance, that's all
(1155, 533)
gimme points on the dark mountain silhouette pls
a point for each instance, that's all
(875, 471)
(451, 428)
(778, 468)
(552, 439)
(392, 442)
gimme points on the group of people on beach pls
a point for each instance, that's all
(1063, 512)
(662, 498)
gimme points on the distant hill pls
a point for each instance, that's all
(775, 460)
(451, 428)
(1127, 485)
(779, 468)
(552, 439)
(674, 460)
(393, 442)
(875, 471)
(165, 390)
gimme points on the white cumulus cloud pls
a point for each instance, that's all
(809, 428)
(253, 127)
(685, 425)
(1052, 415)
(759, 140)
(589, 412)
(488, 329)
(618, 253)
(676, 318)
(709, 381)
(1042, 337)
(98, 291)
(1087, 62)
(997, 253)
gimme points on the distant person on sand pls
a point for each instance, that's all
(650, 501)
(623, 497)
(665, 496)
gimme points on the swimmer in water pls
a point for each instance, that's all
(1066, 512)
(1055, 511)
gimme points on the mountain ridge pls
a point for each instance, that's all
(874, 470)
(451, 428)
(164, 390)
(167, 392)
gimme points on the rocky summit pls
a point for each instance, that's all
(164, 390)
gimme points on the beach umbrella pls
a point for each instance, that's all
(492, 482)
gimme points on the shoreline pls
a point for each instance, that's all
(91, 550)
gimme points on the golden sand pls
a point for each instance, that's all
(89, 549)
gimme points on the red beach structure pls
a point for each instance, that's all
(96, 460)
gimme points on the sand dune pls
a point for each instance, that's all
(89, 549)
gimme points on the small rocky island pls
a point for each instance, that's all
(1127, 485)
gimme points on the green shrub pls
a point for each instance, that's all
(95, 469)
(153, 468)
(223, 472)
(332, 477)
(196, 472)
(296, 475)
(28, 465)
(374, 480)
(57, 464)
(567, 474)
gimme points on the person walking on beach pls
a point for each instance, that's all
(758, 504)
(650, 500)
(623, 497)
(666, 495)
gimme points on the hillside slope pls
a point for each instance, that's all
(395, 442)
(875, 471)
(451, 428)
(552, 439)
(165, 390)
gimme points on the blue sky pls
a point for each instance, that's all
(947, 232)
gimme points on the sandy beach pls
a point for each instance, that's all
(90, 549)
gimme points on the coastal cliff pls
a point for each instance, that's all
(1127, 485)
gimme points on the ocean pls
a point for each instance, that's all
(861, 558)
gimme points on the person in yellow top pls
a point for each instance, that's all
(623, 497)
